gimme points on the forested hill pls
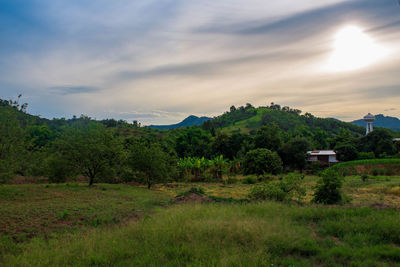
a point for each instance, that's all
(248, 119)
(381, 120)
(189, 121)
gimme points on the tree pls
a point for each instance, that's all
(151, 162)
(379, 141)
(346, 152)
(12, 144)
(328, 188)
(269, 137)
(294, 152)
(262, 160)
(193, 142)
(90, 151)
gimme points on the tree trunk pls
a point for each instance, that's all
(91, 180)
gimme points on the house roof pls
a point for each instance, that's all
(321, 152)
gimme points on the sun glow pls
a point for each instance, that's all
(353, 49)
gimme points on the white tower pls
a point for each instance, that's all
(369, 119)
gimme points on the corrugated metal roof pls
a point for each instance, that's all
(321, 152)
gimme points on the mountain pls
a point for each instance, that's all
(381, 120)
(189, 121)
(249, 119)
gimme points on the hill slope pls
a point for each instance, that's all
(189, 121)
(381, 120)
(247, 120)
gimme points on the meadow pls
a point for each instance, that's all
(124, 225)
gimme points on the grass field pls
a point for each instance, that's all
(122, 225)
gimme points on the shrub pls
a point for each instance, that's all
(249, 180)
(231, 180)
(286, 189)
(198, 190)
(265, 178)
(58, 170)
(346, 152)
(327, 190)
(364, 177)
(260, 161)
(316, 167)
(375, 172)
(270, 191)
(366, 155)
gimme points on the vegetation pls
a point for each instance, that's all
(286, 189)
(241, 163)
(258, 234)
(260, 161)
(328, 188)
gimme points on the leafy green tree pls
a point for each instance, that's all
(40, 135)
(328, 188)
(294, 152)
(13, 152)
(260, 161)
(151, 162)
(379, 141)
(269, 137)
(346, 152)
(193, 142)
(343, 137)
(90, 151)
(321, 138)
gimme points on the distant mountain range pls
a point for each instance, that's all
(189, 121)
(392, 123)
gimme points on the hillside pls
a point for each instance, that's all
(381, 120)
(189, 121)
(249, 119)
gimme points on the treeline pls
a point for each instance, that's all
(117, 151)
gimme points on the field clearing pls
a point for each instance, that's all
(122, 225)
(376, 189)
(254, 234)
(42, 210)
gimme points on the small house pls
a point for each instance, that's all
(322, 156)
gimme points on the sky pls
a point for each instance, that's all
(158, 61)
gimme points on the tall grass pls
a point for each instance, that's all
(368, 166)
(257, 234)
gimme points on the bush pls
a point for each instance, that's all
(198, 190)
(346, 152)
(366, 155)
(249, 180)
(231, 180)
(364, 177)
(375, 172)
(58, 170)
(327, 190)
(260, 161)
(316, 167)
(286, 189)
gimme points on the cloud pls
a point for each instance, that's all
(70, 90)
(114, 58)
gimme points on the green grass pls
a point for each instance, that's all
(121, 225)
(371, 166)
(367, 162)
(257, 234)
(34, 210)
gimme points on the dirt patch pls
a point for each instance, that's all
(192, 198)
